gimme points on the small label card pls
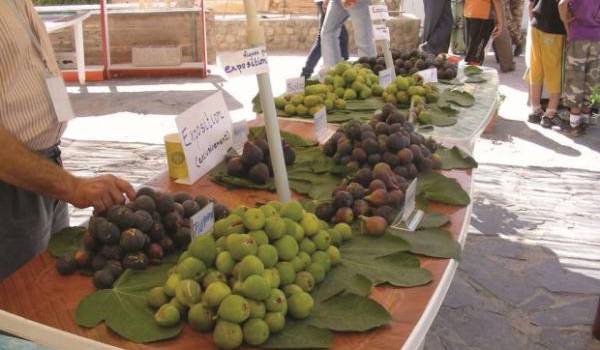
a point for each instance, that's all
(381, 32)
(240, 135)
(246, 62)
(206, 134)
(386, 77)
(411, 218)
(203, 221)
(321, 125)
(429, 75)
(294, 85)
(379, 12)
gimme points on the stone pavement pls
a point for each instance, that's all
(530, 272)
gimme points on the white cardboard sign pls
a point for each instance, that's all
(203, 221)
(251, 61)
(379, 12)
(206, 134)
(429, 75)
(294, 85)
(381, 32)
(386, 77)
(410, 200)
(321, 125)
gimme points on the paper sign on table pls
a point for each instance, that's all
(246, 62)
(410, 200)
(294, 85)
(203, 221)
(379, 12)
(386, 77)
(240, 135)
(381, 32)
(206, 134)
(320, 124)
(429, 75)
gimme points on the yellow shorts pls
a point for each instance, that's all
(546, 64)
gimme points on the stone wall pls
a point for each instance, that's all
(282, 33)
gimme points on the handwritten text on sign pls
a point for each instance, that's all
(203, 221)
(294, 85)
(321, 124)
(429, 75)
(206, 134)
(386, 77)
(246, 62)
(381, 32)
(379, 12)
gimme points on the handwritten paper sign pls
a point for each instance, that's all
(379, 12)
(381, 32)
(386, 77)
(410, 200)
(321, 125)
(240, 135)
(203, 221)
(206, 134)
(294, 85)
(246, 62)
(429, 75)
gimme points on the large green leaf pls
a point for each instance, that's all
(475, 79)
(458, 97)
(66, 241)
(435, 116)
(439, 188)
(433, 242)
(342, 280)
(472, 70)
(349, 312)
(300, 335)
(455, 158)
(123, 308)
(433, 220)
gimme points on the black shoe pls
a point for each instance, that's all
(546, 122)
(535, 117)
(518, 50)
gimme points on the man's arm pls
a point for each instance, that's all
(23, 168)
(498, 8)
(563, 11)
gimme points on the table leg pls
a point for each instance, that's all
(596, 327)
(79, 51)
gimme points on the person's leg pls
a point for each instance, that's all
(315, 52)
(535, 77)
(471, 30)
(459, 45)
(575, 80)
(503, 48)
(438, 40)
(516, 10)
(552, 63)
(433, 13)
(344, 43)
(363, 28)
(330, 32)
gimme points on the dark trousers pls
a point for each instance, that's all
(27, 220)
(315, 52)
(437, 26)
(479, 32)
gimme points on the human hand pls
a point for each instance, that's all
(100, 192)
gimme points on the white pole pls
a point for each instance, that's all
(256, 38)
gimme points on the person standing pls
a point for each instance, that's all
(437, 26)
(34, 188)
(581, 19)
(482, 21)
(337, 13)
(546, 61)
(513, 13)
(503, 44)
(315, 52)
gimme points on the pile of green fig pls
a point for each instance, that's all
(136, 234)
(255, 162)
(256, 268)
(383, 156)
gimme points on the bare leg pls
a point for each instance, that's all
(535, 97)
(553, 104)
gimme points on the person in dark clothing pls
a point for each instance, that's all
(437, 26)
(315, 52)
(482, 22)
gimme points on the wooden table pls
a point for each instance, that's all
(37, 293)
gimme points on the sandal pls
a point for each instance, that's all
(535, 117)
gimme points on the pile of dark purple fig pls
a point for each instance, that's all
(255, 162)
(383, 155)
(136, 234)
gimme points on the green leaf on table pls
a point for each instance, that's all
(472, 70)
(439, 188)
(66, 241)
(433, 220)
(367, 247)
(342, 280)
(123, 308)
(345, 313)
(300, 335)
(475, 79)
(455, 158)
(450, 81)
(436, 117)
(458, 97)
(291, 138)
(433, 242)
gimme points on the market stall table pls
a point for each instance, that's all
(37, 293)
